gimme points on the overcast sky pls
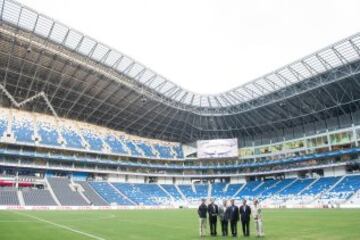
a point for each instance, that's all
(209, 46)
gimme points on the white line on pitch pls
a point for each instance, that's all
(62, 226)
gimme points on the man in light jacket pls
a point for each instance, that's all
(257, 213)
(224, 218)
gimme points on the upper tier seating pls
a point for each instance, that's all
(179, 152)
(3, 123)
(38, 197)
(65, 195)
(26, 127)
(9, 197)
(48, 134)
(164, 151)
(72, 139)
(94, 141)
(23, 130)
(91, 194)
(115, 144)
(107, 192)
(148, 151)
(132, 147)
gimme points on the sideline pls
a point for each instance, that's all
(60, 226)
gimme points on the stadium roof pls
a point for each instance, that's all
(138, 100)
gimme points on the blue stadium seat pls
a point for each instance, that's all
(344, 189)
(247, 191)
(179, 151)
(131, 146)
(3, 126)
(72, 138)
(323, 184)
(296, 187)
(231, 189)
(94, 141)
(217, 190)
(278, 186)
(146, 149)
(23, 130)
(109, 194)
(172, 190)
(115, 144)
(48, 134)
(164, 151)
(202, 191)
(263, 187)
(133, 192)
(187, 191)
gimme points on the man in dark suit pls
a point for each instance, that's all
(233, 215)
(213, 212)
(245, 213)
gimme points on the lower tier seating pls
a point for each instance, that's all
(172, 190)
(66, 195)
(109, 194)
(134, 192)
(322, 190)
(38, 197)
(9, 197)
(91, 195)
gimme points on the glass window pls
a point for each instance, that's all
(317, 142)
(341, 138)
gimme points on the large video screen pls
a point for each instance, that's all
(219, 148)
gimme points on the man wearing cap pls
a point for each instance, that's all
(213, 212)
(257, 213)
(224, 218)
(202, 212)
(233, 214)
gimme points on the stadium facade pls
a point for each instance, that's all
(82, 124)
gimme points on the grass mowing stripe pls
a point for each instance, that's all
(62, 226)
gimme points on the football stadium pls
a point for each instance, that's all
(95, 145)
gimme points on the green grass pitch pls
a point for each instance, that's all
(328, 224)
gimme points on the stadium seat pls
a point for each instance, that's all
(72, 138)
(115, 144)
(9, 198)
(23, 130)
(172, 190)
(48, 134)
(164, 151)
(94, 141)
(66, 195)
(108, 193)
(147, 149)
(94, 198)
(38, 197)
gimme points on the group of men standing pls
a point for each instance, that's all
(230, 214)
